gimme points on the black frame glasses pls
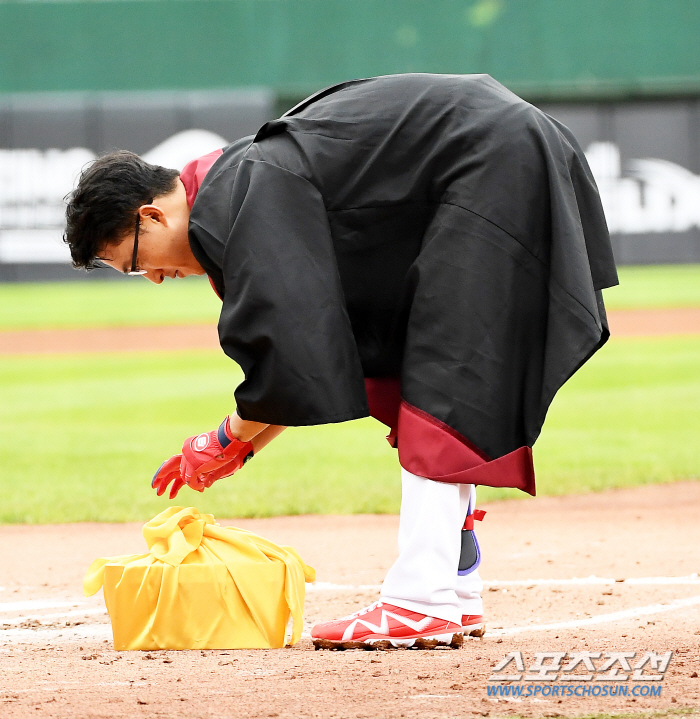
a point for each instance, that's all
(134, 267)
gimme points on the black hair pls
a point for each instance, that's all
(103, 206)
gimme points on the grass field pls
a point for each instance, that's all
(107, 304)
(80, 436)
(139, 302)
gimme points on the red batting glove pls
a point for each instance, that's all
(204, 459)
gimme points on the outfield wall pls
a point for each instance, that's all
(80, 77)
(645, 156)
(46, 138)
(539, 48)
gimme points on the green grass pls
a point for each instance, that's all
(628, 417)
(655, 286)
(139, 302)
(80, 436)
(107, 304)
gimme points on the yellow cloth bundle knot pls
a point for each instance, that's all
(202, 586)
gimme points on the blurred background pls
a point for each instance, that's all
(79, 78)
(174, 79)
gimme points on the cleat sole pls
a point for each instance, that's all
(476, 630)
(439, 641)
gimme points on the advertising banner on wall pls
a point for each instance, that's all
(46, 140)
(645, 157)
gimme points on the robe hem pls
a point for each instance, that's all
(445, 428)
(426, 448)
(327, 419)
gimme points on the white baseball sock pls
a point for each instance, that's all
(424, 577)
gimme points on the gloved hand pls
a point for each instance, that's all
(204, 459)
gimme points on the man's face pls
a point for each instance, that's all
(163, 245)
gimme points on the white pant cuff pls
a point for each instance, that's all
(473, 606)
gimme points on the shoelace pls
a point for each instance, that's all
(366, 610)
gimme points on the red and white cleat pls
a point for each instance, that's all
(385, 626)
(473, 625)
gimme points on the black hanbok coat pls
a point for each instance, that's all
(434, 235)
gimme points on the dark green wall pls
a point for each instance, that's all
(540, 48)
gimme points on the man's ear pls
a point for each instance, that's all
(155, 213)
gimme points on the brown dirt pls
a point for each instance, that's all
(57, 660)
(623, 323)
(109, 339)
(634, 323)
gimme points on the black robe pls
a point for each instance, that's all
(434, 228)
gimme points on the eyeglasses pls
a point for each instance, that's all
(134, 267)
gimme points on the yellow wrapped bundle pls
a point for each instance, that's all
(202, 586)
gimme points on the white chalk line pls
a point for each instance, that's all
(574, 581)
(54, 615)
(330, 587)
(36, 604)
(99, 631)
(35, 636)
(592, 579)
(104, 630)
(601, 618)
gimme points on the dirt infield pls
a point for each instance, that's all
(610, 572)
(623, 323)
(638, 552)
(109, 339)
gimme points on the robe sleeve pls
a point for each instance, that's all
(284, 319)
